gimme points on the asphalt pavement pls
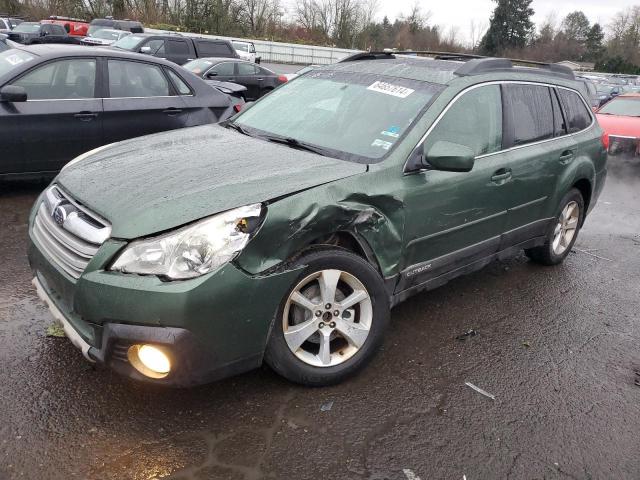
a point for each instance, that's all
(557, 348)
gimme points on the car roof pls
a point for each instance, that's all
(634, 95)
(447, 70)
(223, 59)
(55, 50)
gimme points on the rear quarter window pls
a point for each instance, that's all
(577, 115)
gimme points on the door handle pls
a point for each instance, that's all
(171, 111)
(501, 176)
(259, 79)
(566, 156)
(86, 116)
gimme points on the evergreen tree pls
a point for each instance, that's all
(594, 43)
(576, 27)
(510, 26)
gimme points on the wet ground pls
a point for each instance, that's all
(557, 347)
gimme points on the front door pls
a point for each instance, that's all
(61, 118)
(140, 101)
(455, 219)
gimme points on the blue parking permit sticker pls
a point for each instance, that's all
(392, 131)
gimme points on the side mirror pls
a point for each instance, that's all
(13, 93)
(212, 74)
(146, 50)
(450, 157)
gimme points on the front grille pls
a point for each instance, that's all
(67, 232)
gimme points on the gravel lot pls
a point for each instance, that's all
(557, 347)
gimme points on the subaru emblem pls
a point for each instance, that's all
(59, 215)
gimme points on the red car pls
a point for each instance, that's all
(74, 26)
(620, 119)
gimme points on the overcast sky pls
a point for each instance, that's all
(461, 12)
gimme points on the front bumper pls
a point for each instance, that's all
(211, 327)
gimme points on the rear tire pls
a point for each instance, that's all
(563, 231)
(340, 326)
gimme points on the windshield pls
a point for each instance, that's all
(27, 28)
(357, 117)
(10, 59)
(130, 42)
(244, 47)
(107, 34)
(198, 66)
(627, 107)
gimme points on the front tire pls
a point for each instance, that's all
(563, 232)
(330, 322)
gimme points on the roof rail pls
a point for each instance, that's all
(68, 19)
(475, 64)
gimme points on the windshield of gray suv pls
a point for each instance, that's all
(356, 117)
(626, 107)
(10, 59)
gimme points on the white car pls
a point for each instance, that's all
(246, 50)
(105, 36)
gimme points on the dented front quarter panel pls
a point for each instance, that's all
(375, 218)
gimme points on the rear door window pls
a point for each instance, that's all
(178, 47)
(135, 79)
(213, 49)
(576, 113)
(247, 69)
(474, 120)
(529, 114)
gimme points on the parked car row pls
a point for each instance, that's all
(57, 101)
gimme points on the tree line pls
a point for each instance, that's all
(509, 31)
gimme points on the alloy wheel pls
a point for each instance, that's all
(327, 318)
(566, 227)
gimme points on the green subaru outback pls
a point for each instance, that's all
(288, 233)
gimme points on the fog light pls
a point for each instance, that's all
(149, 360)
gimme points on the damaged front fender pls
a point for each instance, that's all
(296, 222)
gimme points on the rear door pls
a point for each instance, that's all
(140, 100)
(61, 117)
(249, 75)
(536, 135)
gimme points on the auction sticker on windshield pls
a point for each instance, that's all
(390, 89)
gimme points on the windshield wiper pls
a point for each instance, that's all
(238, 128)
(297, 144)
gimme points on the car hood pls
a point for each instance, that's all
(161, 181)
(619, 125)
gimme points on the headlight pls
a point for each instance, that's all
(194, 250)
